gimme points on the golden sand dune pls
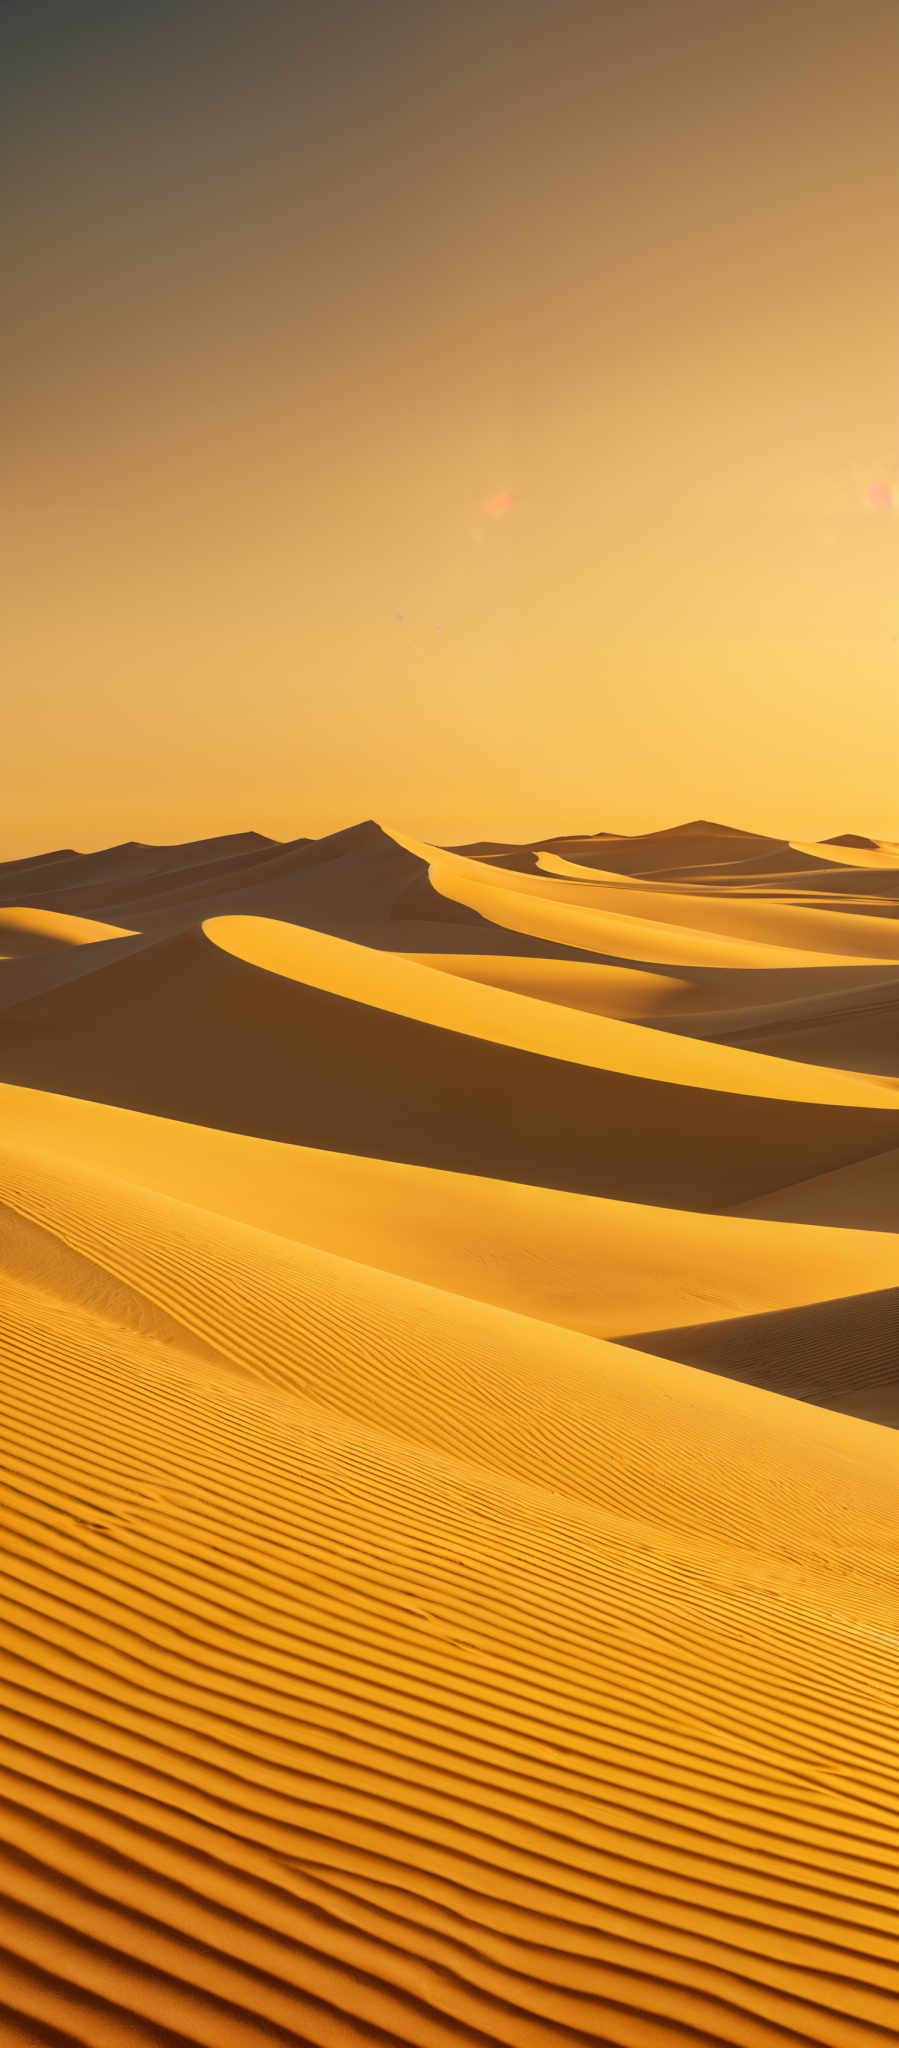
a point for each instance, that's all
(401, 988)
(389, 1656)
(122, 866)
(854, 850)
(759, 917)
(356, 875)
(699, 844)
(632, 920)
(842, 888)
(453, 1373)
(864, 1197)
(185, 1029)
(875, 893)
(29, 931)
(857, 1028)
(47, 949)
(699, 1001)
(401, 1679)
(780, 861)
(602, 1267)
(606, 991)
(840, 1354)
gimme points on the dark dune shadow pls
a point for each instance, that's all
(840, 1354)
(184, 1030)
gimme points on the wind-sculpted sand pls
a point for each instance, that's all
(450, 1326)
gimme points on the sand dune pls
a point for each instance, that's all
(841, 1354)
(697, 1001)
(631, 920)
(860, 1020)
(45, 949)
(697, 844)
(856, 850)
(863, 1196)
(369, 1053)
(400, 988)
(337, 1697)
(126, 863)
(390, 1655)
(29, 931)
(598, 1266)
(54, 967)
(355, 874)
(604, 990)
(760, 917)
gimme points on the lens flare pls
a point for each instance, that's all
(497, 506)
(883, 496)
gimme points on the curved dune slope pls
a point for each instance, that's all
(356, 875)
(852, 849)
(860, 1197)
(627, 919)
(458, 1375)
(46, 949)
(874, 894)
(390, 1658)
(780, 859)
(130, 860)
(840, 1354)
(699, 844)
(598, 1266)
(464, 1682)
(30, 863)
(186, 1030)
(857, 1029)
(37, 974)
(406, 990)
(759, 917)
(28, 931)
(80, 883)
(697, 1001)
(605, 991)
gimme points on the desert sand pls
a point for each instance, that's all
(450, 1349)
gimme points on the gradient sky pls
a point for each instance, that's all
(485, 416)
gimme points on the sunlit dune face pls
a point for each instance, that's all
(448, 1312)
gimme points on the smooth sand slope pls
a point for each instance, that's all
(389, 1656)
(43, 949)
(602, 1267)
(393, 1674)
(840, 1354)
(26, 932)
(369, 1053)
(664, 924)
(856, 1028)
(865, 1196)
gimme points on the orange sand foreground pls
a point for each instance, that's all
(450, 1338)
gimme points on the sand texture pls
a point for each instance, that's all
(450, 1367)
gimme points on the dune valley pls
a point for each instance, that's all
(450, 1363)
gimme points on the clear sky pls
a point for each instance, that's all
(479, 413)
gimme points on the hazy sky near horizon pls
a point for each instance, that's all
(485, 416)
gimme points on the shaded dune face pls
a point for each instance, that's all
(188, 1031)
(840, 1354)
(450, 1308)
(585, 1263)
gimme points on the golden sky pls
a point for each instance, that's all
(481, 416)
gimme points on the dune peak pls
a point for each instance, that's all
(449, 1358)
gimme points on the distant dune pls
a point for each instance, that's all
(450, 1350)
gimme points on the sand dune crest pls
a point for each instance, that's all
(449, 1579)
